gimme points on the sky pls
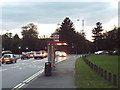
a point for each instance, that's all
(15, 14)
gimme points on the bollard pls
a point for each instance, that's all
(109, 77)
(96, 68)
(92, 65)
(114, 80)
(89, 63)
(48, 69)
(105, 74)
(101, 72)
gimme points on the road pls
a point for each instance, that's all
(13, 74)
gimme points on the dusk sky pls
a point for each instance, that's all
(46, 15)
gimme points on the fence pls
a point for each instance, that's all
(111, 78)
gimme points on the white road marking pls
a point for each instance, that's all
(27, 80)
(20, 68)
(15, 67)
(3, 70)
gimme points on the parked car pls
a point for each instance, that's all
(8, 58)
(115, 52)
(6, 52)
(101, 52)
(25, 56)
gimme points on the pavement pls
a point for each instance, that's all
(62, 77)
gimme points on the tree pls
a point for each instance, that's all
(112, 39)
(76, 41)
(30, 36)
(7, 41)
(30, 31)
(16, 42)
(97, 35)
(66, 32)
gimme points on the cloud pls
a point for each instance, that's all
(53, 12)
(48, 14)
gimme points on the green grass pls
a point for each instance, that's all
(107, 62)
(85, 77)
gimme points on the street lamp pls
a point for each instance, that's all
(82, 27)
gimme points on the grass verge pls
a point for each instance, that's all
(107, 62)
(85, 77)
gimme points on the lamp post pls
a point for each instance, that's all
(82, 31)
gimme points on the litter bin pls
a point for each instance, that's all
(48, 69)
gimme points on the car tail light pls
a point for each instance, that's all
(11, 58)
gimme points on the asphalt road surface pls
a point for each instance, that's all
(13, 74)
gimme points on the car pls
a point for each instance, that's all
(37, 55)
(8, 58)
(61, 53)
(25, 56)
(40, 54)
(115, 52)
(6, 52)
(44, 53)
(31, 54)
(101, 52)
(57, 53)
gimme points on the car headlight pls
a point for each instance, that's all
(65, 54)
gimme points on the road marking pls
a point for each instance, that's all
(3, 70)
(20, 68)
(15, 67)
(27, 80)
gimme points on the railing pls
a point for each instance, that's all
(111, 78)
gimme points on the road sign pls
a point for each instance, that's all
(55, 36)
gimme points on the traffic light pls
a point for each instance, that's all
(26, 48)
(19, 47)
